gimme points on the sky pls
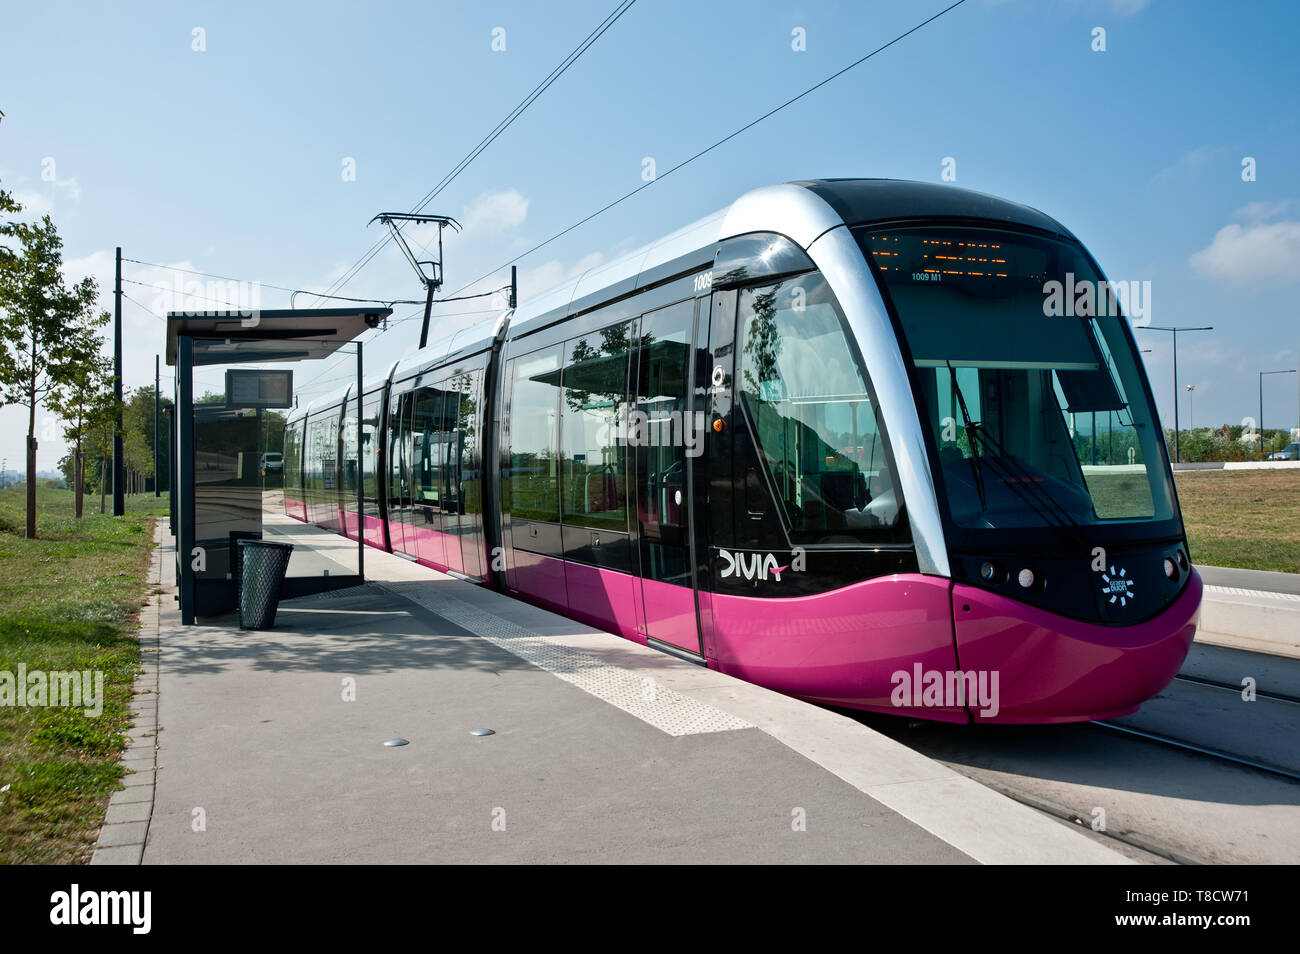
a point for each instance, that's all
(255, 141)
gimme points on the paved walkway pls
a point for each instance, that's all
(271, 749)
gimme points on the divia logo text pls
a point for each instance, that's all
(760, 566)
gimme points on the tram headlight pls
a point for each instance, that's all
(1026, 578)
(1171, 569)
(990, 572)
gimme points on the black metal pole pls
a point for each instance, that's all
(183, 454)
(514, 288)
(428, 307)
(157, 474)
(361, 473)
(1177, 455)
(119, 465)
(1261, 415)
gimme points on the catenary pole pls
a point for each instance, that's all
(119, 465)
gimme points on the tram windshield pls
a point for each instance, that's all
(1028, 380)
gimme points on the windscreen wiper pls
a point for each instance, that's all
(1021, 481)
(972, 439)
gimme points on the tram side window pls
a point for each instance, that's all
(330, 449)
(396, 464)
(348, 433)
(463, 451)
(370, 441)
(292, 460)
(320, 454)
(313, 454)
(805, 395)
(534, 437)
(426, 447)
(443, 452)
(594, 479)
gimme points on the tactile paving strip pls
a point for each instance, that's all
(367, 588)
(665, 709)
(1253, 594)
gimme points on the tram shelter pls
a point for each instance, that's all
(225, 487)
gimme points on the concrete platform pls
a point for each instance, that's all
(604, 751)
(1253, 610)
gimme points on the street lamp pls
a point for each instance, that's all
(1177, 456)
(1191, 408)
(1261, 405)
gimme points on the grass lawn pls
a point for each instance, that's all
(69, 601)
(1242, 518)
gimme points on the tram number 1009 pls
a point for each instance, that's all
(703, 281)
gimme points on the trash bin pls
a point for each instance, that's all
(262, 566)
(235, 536)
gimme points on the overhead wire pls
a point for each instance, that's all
(706, 150)
(261, 284)
(491, 137)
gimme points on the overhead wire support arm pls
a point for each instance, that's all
(433, 279)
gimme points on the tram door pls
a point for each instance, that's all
(666, 439)
(399, 489)
(449, 437)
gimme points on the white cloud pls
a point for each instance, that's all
(98, 265)
(1120, 7)
(1262, 211)
(1127, 8)
(35, 204)
(494, 212)
(337, 272)
(1266, 253)
(536, 280)
(1191, 163)
(156, 290)
(488, 216)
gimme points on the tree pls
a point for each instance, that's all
(137, 456)
(41, 325)
(138, 431)
(103, 438)
(8, 230)
(137, 442)
(86, 405)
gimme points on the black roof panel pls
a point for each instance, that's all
(858, 201)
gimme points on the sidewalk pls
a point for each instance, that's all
(604, 751)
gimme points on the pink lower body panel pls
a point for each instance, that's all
(605, 599)
(541, 580)
(295, 508)
(670, 614)
(434, 547)
(374, 529)
(873, 645)
(428, 544)
(330, 518)
(1052, 669)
